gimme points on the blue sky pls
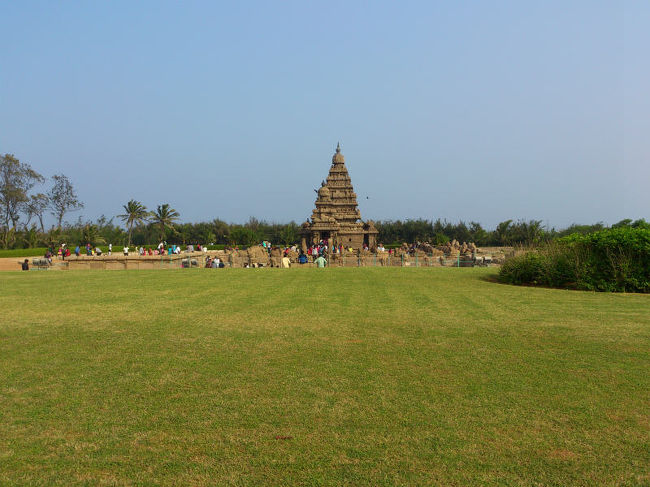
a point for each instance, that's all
(480, 111)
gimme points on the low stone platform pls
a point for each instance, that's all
(122, 262)
(258, 257)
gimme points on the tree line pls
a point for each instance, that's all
(17, 203)
(506, 233)
(23, 213)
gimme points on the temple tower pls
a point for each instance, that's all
(336, 218)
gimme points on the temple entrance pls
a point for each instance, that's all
(325, 237)
(366, 240)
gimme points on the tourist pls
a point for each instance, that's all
(216, 263)
(48, 256)
(110, 248)
(126, 251)
(66, 253)
(98, 251)
(25, 265)
(302, 258)
(320, 261)
(286, 262)
(77, 251)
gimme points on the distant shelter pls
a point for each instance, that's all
(336, 220)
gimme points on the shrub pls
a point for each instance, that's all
(525, 268)
(616, 259)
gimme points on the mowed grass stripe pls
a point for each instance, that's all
(367, 376)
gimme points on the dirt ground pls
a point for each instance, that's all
(11, 263)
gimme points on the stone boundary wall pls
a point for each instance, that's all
(259, 257)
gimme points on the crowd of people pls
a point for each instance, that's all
(214, 263)
(90, 250)
(316, 253)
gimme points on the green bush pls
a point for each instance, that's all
(616, 259)
(216, 247)
(523, 269)
(34, 252)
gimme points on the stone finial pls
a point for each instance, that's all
(338, 157)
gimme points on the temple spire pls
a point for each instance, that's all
(338, 158)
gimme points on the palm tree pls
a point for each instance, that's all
(54, 237)
(503, 232)
(534, 231)
(164, 216)
(135, 214)
(91, 235)
(31, 237)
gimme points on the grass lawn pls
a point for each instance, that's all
(370, 376)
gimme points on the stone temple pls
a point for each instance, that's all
(336, 218)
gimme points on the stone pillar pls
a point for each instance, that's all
(303, 243)
(372, 241)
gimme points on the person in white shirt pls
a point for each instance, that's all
(126, 250)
